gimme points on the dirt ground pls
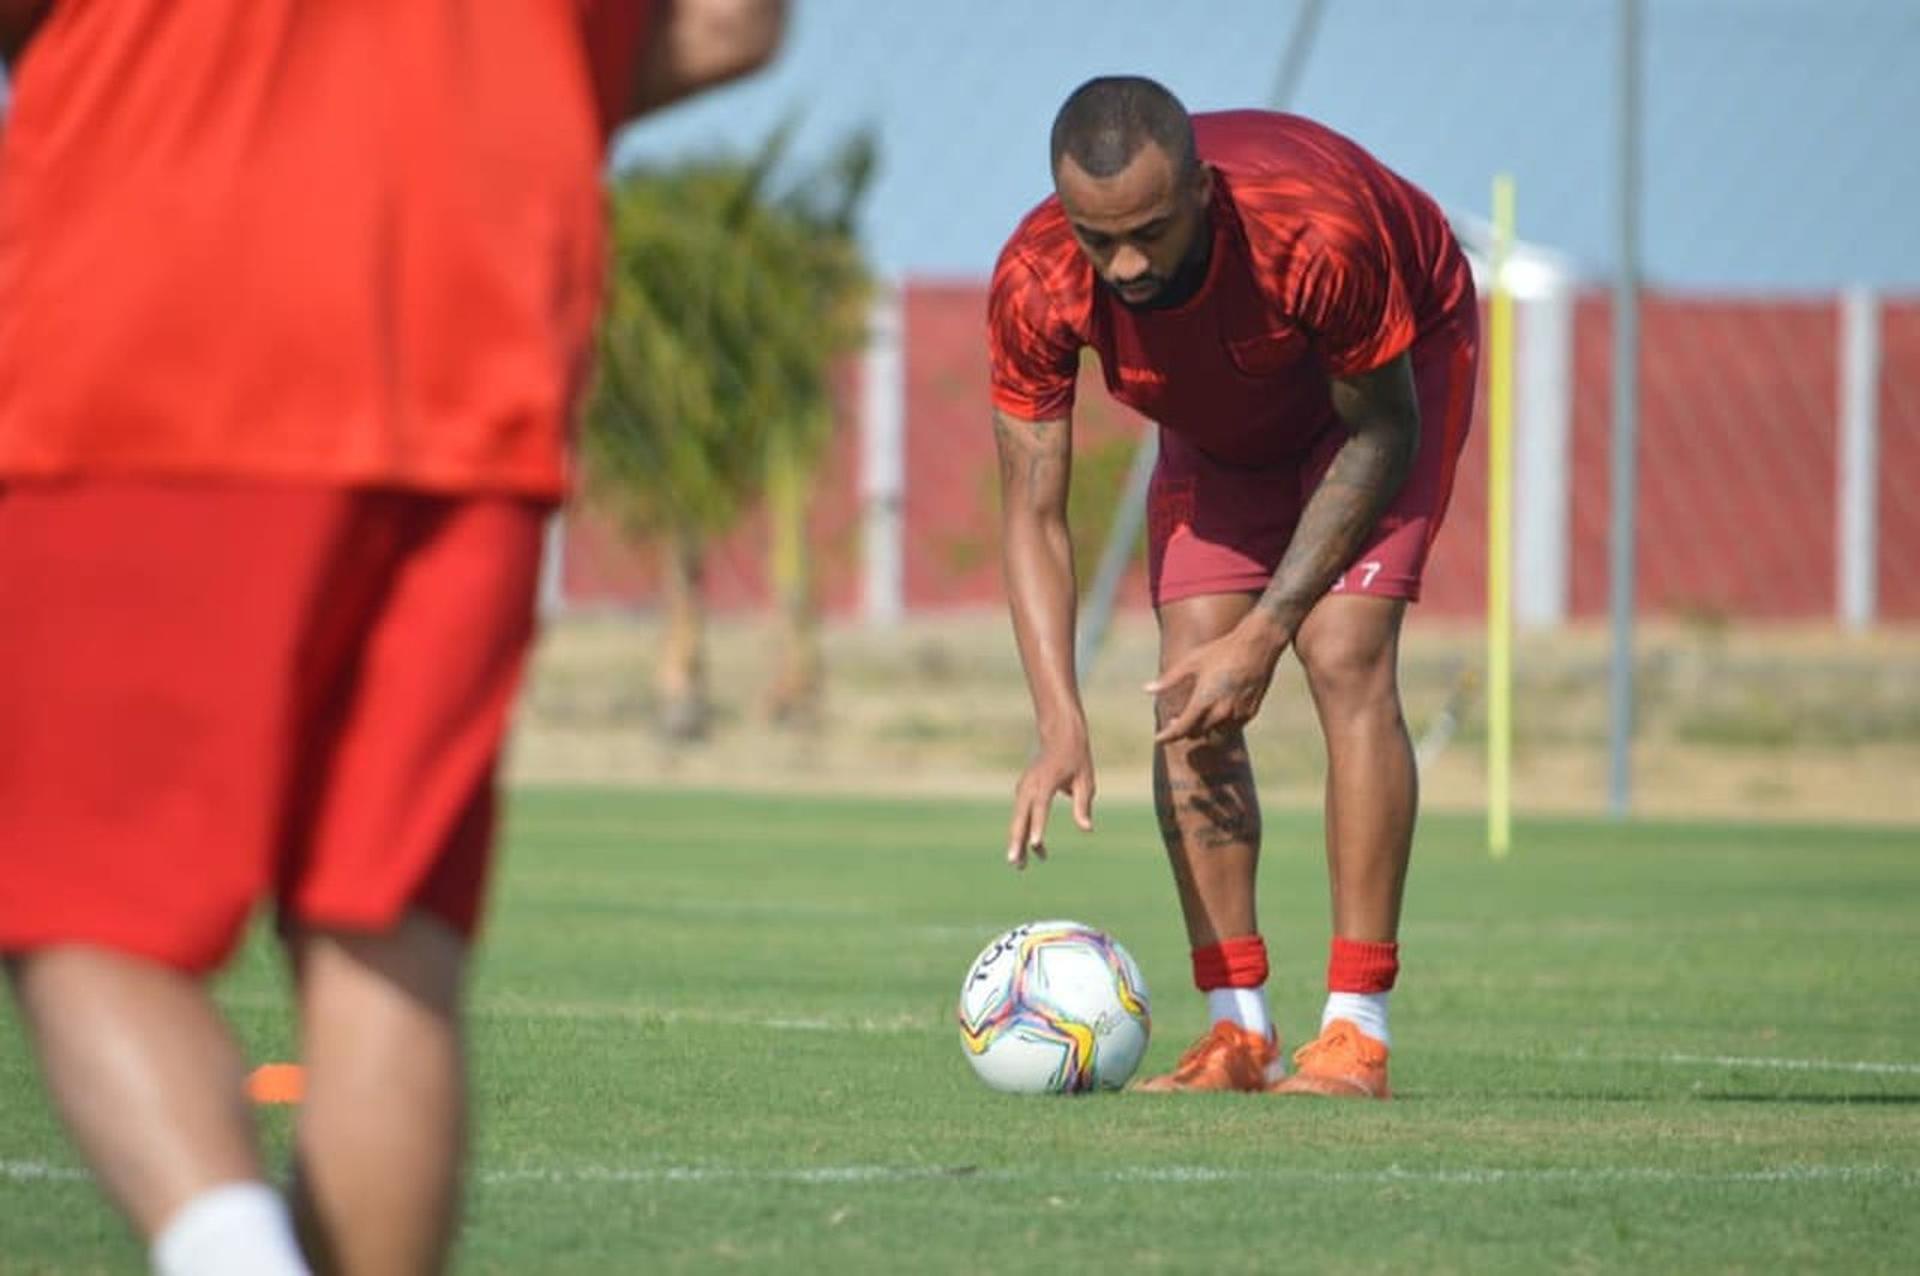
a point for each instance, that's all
(1743, 723)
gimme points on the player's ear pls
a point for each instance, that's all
(1203, 182)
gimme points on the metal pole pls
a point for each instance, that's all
(1626, 414)
(1293, 60)
(1500, 528)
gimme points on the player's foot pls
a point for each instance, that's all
(1342, 1062)
(1229, 1057)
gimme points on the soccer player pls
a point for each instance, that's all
(294, 301)
(1301, 325)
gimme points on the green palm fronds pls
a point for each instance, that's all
(728, 303)
(729, 300)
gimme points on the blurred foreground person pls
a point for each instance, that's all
(294, 302)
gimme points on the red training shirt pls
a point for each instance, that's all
(345, 241)
(1325, 263)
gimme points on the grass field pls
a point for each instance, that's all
(713, 1033)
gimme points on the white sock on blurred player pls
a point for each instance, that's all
(236, 1229)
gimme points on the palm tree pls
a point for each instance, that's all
(726, 306)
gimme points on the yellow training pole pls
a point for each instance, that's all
(1500, 531)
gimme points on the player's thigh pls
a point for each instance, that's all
(1215, 529)
(351, 979)
(400, 797)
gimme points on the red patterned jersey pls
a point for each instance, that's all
(1325, 263)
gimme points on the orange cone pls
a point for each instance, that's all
(277, 1083)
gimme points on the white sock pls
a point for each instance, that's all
(236, 1229)
(1244, 1006)
(1366, 1011)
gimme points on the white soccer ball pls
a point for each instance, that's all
(1054, 1007)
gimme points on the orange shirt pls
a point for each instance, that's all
(1324, 263)
(345, 241)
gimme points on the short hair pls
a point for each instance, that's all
(1104, 123)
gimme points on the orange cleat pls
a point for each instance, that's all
(1342, 1062)
(1229, 1057)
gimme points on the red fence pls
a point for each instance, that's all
(1737, 470)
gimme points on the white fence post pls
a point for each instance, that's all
(1543, 459)
(553, 565)
(1857, 506)
(1543, 283)
(883, 461)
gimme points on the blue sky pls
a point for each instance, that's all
(1782, 139)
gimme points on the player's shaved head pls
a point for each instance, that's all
(1104, 123)
(1129, 179)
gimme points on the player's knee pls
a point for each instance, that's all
(1349, 663)
(420, 957)
(1189, 623)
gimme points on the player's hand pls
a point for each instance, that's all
(1063, 766)
(1218, 686)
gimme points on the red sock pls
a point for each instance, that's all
(1355, 965)
(1240, 962)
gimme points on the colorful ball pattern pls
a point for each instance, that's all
(1054, 1007)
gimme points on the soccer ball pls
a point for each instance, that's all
(1054, 1007)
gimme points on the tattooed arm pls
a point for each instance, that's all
(1230, 676)
(1383, 415)
(1036, 462)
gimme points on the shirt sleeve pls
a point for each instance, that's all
(1350, 297)
(1034, 355)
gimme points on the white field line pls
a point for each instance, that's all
(906, 1022)
(509, 1007)
(1201, 1174)
(40, 1172)
(1792, 1065)
(1891, 1069)
(515, 1009)
(27, 1172)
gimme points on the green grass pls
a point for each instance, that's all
(712, 1034)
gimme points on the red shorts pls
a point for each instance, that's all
(212, 691)
(1215, 528)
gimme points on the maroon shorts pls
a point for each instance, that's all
(212, 693)
(1214, 528)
